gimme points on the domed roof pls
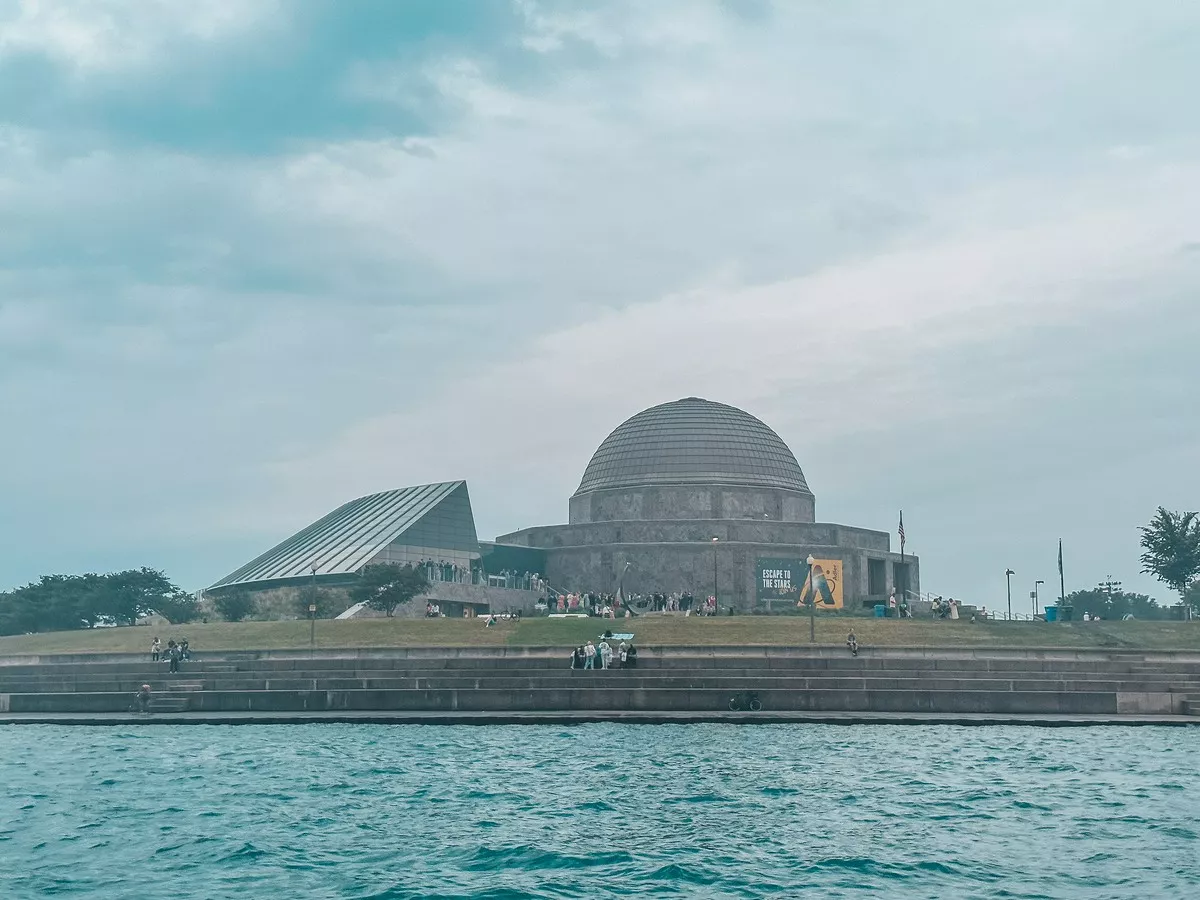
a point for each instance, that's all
(693, 441)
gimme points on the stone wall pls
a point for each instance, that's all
(671, 567)
(596, 534)
(452, 597)
(691, 501)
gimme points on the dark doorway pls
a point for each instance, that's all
(876, 577)
(900, 578)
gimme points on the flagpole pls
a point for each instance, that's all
(1062, 583)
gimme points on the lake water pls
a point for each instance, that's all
(365, 811)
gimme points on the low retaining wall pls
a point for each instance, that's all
(646, 652)
(607, 699)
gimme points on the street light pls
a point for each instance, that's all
(1035, 595)
(716, 607)
(1008, 574)
(312, 614)
(812, 603)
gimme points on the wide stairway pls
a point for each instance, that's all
(684, 680)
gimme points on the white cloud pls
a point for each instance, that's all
(105, 35)
(832, 335)
(818, 214)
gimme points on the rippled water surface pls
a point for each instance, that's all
(364, 811)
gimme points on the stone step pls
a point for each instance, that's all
(631, 679)
(169, 704)
(867, 660)
(852, 668)
(592, 698)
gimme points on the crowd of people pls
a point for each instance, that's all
(604, 656)
(521, 581)
(611, 606)
(173, 655)
(449, 572)
(945, 608)
(440, 570)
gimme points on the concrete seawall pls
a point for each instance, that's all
(704, 682)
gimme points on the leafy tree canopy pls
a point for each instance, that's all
(235, 605)
(311, 595)
(64, 602)
(384, 587)
(1171, 549)
(1116, 605)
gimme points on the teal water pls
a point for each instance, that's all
(398, 812)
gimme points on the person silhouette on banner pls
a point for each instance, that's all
(816, 586)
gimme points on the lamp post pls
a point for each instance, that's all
(1008, 574)
(716, 606)
(1035, 595)
(312, 615)
(812, 602)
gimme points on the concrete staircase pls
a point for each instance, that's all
(178, 698)
(687, 680)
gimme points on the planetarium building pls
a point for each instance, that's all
(689, 496)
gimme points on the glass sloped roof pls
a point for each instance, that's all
(350, 536)
(693, 441)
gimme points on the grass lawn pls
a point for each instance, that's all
(654, 631)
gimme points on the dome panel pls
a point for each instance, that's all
(693, 441)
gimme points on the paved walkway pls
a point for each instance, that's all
(582, 718)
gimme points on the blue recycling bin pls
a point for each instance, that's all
(880, 611)
(1051, 613)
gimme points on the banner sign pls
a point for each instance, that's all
(790, 579)
(779, 579)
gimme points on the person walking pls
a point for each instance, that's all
(589, 655)
(606, 654)
(155, 649)
(142, 699)
(176, 654)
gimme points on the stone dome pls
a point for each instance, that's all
(693, 441)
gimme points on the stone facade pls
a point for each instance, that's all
(691, 501)
(679, 555)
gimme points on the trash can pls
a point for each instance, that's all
(880, 611)
(1051, 613)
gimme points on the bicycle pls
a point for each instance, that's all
(746, 700)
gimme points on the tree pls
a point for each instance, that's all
(124, 597)
(178, 609)
(64, 602)
(384, 587)
(1171, 545)
(235, 605)
(1116, 605)
(1191, 597)
(311, 595)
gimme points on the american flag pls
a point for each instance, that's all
(901, 534)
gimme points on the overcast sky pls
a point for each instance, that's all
(257, 258)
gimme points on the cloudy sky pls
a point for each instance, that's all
(259, 257)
